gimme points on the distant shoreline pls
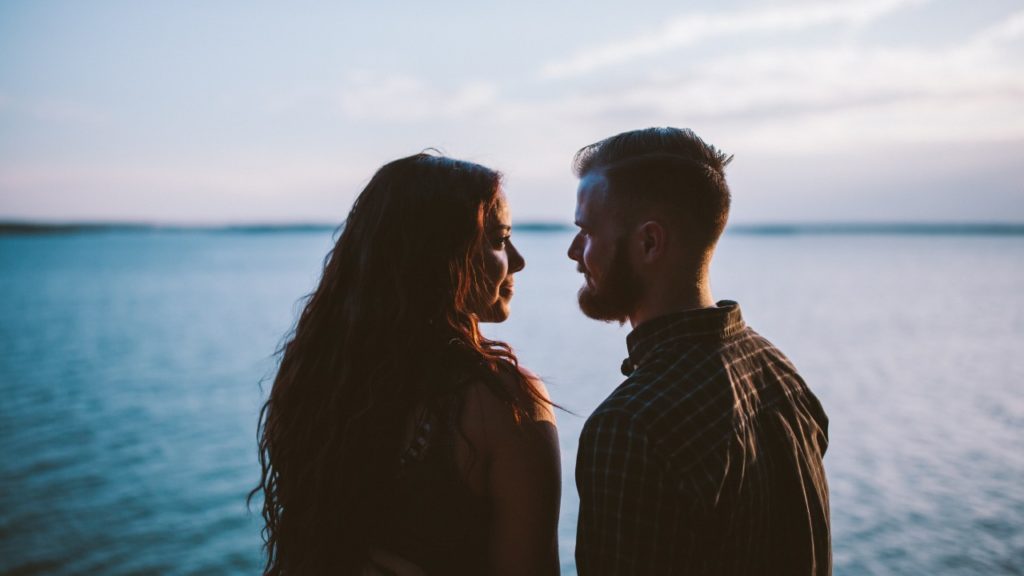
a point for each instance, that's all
(19, 228)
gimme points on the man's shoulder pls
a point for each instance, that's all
(764, 347)
(666, 409)
(682, 397)
(687, 376)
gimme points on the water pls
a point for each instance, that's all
(130, 365)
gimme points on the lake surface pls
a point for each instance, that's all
(131, 365)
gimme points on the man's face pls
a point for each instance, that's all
(611, 289)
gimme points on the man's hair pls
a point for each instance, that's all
(671, 169)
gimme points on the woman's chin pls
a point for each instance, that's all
(496, 314)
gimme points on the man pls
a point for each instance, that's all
(707, 459)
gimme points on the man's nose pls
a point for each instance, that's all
(574, 248)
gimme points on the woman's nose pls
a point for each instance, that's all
(516, 262)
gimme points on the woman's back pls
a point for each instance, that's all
(442, 512)
(431, 514)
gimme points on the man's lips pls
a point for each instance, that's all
(584, 271)
(586, 275)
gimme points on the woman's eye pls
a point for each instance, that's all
(502, 242)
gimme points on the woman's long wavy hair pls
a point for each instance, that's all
(397, 292)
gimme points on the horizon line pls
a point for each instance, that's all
(978, 228)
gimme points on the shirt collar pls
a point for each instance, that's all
(722, 321)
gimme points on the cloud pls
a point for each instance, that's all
(408, 99)
(835, 95)
(772, 81)
(693, 28)
(994, 37)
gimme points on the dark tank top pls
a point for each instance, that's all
(432, 517)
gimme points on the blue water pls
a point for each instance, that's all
(131, 363)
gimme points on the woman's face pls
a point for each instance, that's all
(500, 260)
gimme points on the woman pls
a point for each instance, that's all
(393, 424)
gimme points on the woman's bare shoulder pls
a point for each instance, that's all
(540, 400)
(494, 411)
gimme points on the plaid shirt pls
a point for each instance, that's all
(706, 460)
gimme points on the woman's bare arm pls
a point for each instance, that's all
(522, 482)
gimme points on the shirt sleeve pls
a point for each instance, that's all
(626, 511)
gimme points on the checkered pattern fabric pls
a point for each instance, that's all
(706, 460)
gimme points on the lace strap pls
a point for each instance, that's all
(417, 449)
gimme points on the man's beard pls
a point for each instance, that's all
(617, 294)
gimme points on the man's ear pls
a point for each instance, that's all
(653, 240)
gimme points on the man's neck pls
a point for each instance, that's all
(671, 300)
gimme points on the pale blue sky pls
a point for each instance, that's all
(211, 112)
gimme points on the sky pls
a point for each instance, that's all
(253, 112)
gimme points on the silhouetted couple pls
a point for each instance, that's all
(398, 439)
